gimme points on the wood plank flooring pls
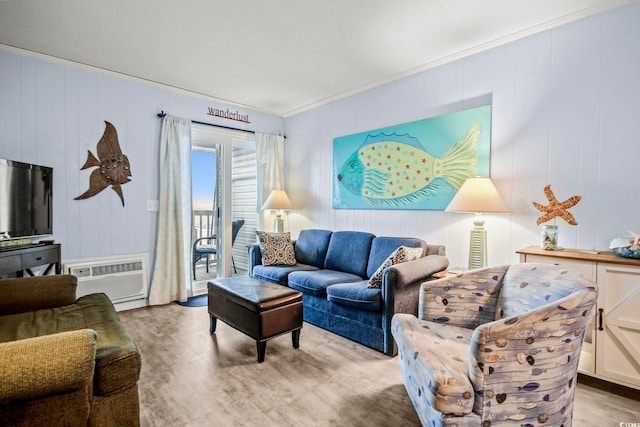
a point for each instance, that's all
(191, 378)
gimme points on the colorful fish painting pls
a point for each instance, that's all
(414, 165)
(113, 167)
(395, 170)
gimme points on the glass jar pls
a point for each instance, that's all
(550, 237)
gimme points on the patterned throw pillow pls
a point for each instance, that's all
(276, 248)
(402, 254)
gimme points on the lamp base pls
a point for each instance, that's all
(278, 225)
(478, 245)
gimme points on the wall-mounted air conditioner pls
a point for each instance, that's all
(124, 278)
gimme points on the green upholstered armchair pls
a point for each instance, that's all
(64, 361)
(497, 346)
(47, 380)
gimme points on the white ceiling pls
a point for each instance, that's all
(278, 56)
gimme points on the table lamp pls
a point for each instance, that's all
(477, 195)
(277, 200)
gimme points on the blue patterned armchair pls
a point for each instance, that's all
(497, 346)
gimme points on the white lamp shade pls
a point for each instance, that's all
(477, 195)
(277, 199)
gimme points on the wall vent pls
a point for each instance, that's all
(122, 278)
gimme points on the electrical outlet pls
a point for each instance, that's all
(152, 206)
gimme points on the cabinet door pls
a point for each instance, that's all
(10, 264)
(587, 362)
(618, 348)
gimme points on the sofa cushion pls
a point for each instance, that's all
(357, 295)
(316, 282)
(117, 357)
(402, 254)
(311, 247)
(382, 247)
(279, 273)
(276, 248)
(349, 252)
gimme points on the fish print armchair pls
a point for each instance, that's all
(497, 346)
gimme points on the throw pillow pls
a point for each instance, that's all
(276, 248)
(402, 254)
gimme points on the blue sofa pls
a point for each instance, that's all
(332, 271)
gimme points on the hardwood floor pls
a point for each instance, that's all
(191, 378)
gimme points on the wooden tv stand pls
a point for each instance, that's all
(17, 262)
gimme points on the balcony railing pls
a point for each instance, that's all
(203, 223)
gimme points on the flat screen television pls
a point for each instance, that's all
(26, 205)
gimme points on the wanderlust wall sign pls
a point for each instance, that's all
(228, 114)
(417, 165)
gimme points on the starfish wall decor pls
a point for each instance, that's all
(556, 209)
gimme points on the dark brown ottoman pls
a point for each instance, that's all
(261, 310)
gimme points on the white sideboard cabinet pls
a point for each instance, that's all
(611, 350)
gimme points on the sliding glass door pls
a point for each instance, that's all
(204, 179)
(224, 202)
(243, 202)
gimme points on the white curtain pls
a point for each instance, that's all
(171, 273)
(270, 159)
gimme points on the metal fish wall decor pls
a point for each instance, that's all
(113, 167)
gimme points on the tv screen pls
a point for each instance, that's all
(25, 199)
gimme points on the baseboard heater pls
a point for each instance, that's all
(123, 278)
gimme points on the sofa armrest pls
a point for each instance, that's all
(465, 300)
(51, 364)
(400, 288)
(434, 360)
(435, 250)
(255, 257)
(419, 270)
(400, 282)
(22, 294)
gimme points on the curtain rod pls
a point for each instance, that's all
(161, 115)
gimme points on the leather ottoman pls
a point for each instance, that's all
(260, 309)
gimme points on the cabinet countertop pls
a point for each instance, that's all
(584, 255)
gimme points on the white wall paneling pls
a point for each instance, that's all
(52, 112)
(565, 112)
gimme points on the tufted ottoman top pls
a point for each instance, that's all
(254, 294)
